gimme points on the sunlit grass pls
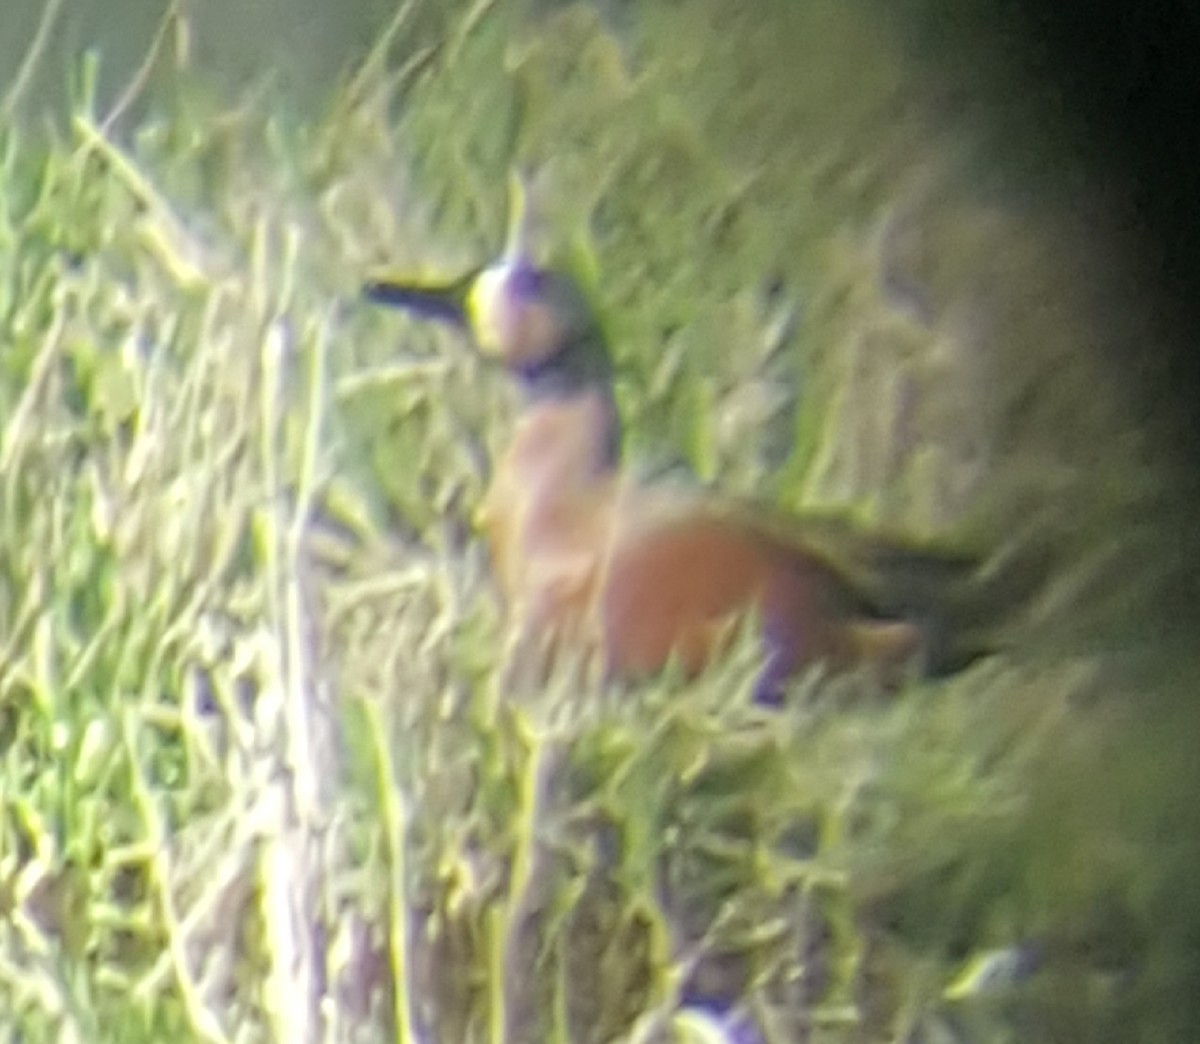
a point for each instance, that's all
(261, 778)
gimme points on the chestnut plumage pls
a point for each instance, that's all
(643, 576)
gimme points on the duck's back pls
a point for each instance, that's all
(678, 578)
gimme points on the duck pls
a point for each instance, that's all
(640, 575)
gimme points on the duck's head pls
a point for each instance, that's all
(533, 321)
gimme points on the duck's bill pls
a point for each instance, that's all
(446, 302)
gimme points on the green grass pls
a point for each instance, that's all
(261, 779)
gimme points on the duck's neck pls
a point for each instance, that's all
(581, 370)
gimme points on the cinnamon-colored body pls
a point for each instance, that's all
(642, 576)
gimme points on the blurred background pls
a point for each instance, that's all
(930, 264)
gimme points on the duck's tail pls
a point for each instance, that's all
(966, 604)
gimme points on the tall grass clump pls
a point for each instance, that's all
(262, 778)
